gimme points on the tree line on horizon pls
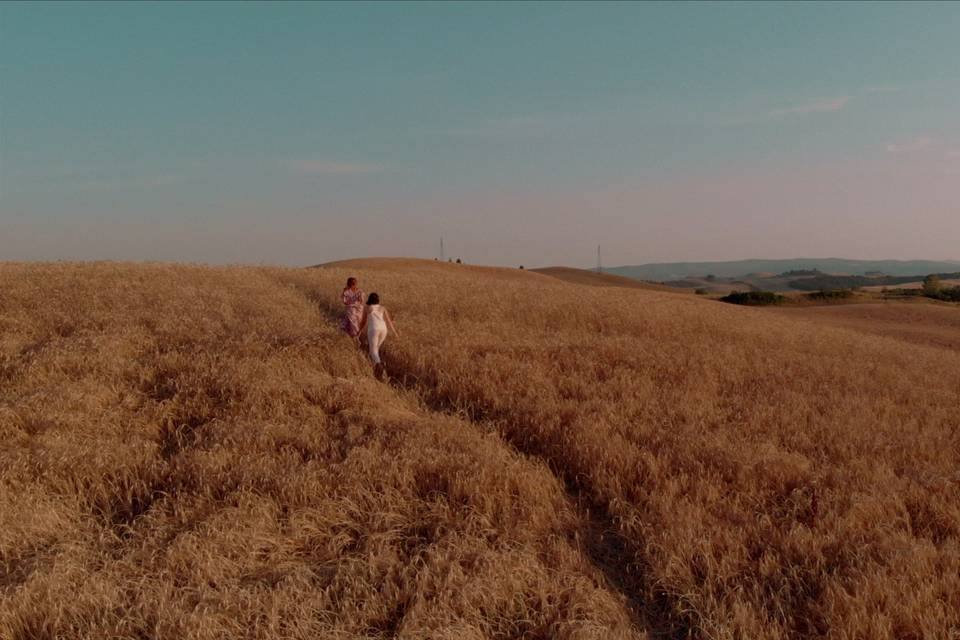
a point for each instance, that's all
(826, 282)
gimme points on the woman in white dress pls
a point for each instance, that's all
(376, 320)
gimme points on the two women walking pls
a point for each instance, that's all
(372, 317)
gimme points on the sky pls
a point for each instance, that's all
(520, 133)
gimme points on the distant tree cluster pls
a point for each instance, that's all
(832, 283)
(830, 294)
(933, 288)
(828, 282)
(932, 285)
(754, 298)
(799, 273)
(949, 295)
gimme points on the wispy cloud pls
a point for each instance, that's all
(883, 89)
(330, 167)
(910, 145)
(930, 148)
(818, 106)
(507, 126)
(139, 182)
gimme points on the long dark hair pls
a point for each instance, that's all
(350, 282)
(373, 299)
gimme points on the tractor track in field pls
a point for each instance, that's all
(600, 539)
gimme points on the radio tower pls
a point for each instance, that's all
(599, 262)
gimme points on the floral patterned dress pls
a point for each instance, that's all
(353, 301)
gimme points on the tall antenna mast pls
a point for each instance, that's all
(599, 261)
(441, 249)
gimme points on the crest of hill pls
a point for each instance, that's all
(595, 279)
(421, 265)
(567, 274)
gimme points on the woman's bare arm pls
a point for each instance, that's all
(363, 320)
(386, 314)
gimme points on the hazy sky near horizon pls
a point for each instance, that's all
(521, 133)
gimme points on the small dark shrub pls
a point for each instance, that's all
(701, 291)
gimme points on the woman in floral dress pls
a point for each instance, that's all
(353, 301)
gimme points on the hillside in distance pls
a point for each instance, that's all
(601, 279)
(200, 452)
(660, 272)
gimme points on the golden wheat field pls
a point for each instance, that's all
(198, 452)
(921, 322)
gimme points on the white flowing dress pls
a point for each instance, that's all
(376, 331)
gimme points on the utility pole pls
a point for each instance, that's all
(599, 261)
(442, 257)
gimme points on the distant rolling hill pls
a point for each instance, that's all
(592, 278)
(738, 268)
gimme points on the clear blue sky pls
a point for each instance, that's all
(522, 133)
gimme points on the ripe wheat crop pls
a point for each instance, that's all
(198, 452)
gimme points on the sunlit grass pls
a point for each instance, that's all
(198, 452)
